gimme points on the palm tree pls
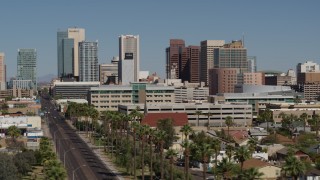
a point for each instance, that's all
(216, 146)
(186, 145)
(161, 136)
(151, 136)
(242, 154)
(135, 126)
(171, 154)
(198, 113)
(209, 115)
(314, 121)
(14, 132)
(186, 130)
(252, 174)
(293, 167)
(224, 166)
(142, 133)
(304, 117)
(228, 122)
(229, 151)
(253, 144)
(266, 116)
(204, 151)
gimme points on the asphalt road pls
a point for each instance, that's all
(80, 161)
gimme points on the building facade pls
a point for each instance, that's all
(22, 84)
(130, 44)
(68, 51)
(110, 96)
(241, 113)
(207, 58)
(190, 94)
(88, 62)
(126, 70)
(3, 73)
(222, 80)
(27, 66)
(73, 90)
(108, 73)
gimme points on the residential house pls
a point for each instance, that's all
(283, 153)
(269, 171)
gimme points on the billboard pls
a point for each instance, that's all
(128, 56)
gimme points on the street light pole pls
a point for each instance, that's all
(73, 172)
(64, 156)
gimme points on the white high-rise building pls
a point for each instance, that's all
(129, 45)
(78, 35)
(207, 58)
(2, 72)
(88, 62)
(308, 66)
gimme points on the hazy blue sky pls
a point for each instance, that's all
(280, 33)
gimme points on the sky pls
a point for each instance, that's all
(280, 33)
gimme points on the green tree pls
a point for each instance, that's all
(224, 166)
(14, 132)
(198, 113)
(24, 161)
(266, 116)
(208, 123)
(228, 122)
(304, 118)
(252, 143)
(171, 154)
(54, 170)
(166, 125)
(241, 155)
(186, 130)
(252, 174)
(8, 170)
(186, 145)
(314, 122)
(229, 151)
(203, 153)
(215, 144)
(293, 167)
(161, 137)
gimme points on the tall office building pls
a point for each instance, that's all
(129, 45)
(231, 55)
(27, 65)
(67, 48)
(207, 58)
(252, 64)
(182, 62)
(88, 61)
(126, 70)
(2, 72)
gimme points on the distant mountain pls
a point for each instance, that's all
(46, 78)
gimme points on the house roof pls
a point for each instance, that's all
(313, 172)
(179, 119)
(285, 151)
(254, 163)
(239, 136)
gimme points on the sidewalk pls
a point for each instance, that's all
(99, 153)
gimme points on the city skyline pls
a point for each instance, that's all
(279, 34)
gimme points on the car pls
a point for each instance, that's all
(210, 178)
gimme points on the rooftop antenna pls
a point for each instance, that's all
(243, 39)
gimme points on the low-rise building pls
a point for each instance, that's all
(22, 122)
(268, 170)
(108, 97)
(215, 114)
(73, 90)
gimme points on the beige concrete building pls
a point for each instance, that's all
(311, 91)
(78, 35)
(206, 57)
(253, 78)
(309, 78)
(110, 96)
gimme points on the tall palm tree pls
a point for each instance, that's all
(229, 151)
(252, 143)
(314, 121)
(171, 154)
(228, 122)
(186, 130)
(142, 133)
(293, 167)
(186, 145)
(216, 146)
(135, 126)
(198, 113)
(304, 118)
(208, 123)
(242, 154)
(14, 132)
(252, 174)
(151, 136)
(204, 151)
(161, 136)
(266, 116)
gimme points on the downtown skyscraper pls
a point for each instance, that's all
(88, 61)
(27, 66)
(129, 50)
(68, 51)
(2, 72)
(182, 62)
